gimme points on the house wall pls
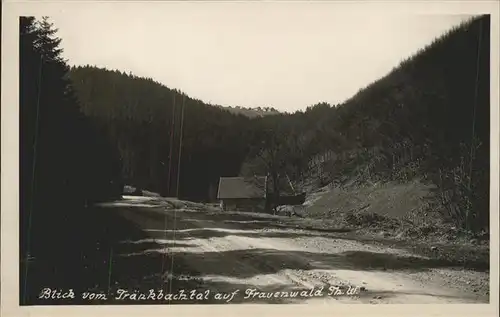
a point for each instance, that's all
(249, 204)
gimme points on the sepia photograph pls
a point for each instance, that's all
(253, 153)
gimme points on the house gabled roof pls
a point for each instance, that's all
(242, 187)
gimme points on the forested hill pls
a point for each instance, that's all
(137, 114)
(428, 118)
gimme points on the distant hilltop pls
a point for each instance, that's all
(251, 112)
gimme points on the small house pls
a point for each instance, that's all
(243, 193)
(255, 194)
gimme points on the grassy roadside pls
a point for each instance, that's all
(404, 215)
(461, 263)
(463, 252)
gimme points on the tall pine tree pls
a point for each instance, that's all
(65, 163)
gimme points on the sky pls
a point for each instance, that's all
(249, 54)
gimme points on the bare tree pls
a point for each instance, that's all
(278, 155)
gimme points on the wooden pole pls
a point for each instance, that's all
(171, 147)
(27, 256)
(180, 145)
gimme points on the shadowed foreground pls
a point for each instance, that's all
(155, 247)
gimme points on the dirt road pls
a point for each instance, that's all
(251, 260)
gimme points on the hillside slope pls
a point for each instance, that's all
(427, 121)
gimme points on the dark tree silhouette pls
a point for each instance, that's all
(65, 163)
